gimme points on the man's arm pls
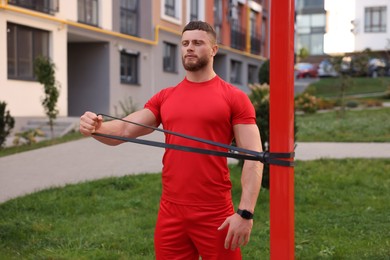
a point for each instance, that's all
(247, 136)
(91, 123)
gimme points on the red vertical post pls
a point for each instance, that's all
(282, 128)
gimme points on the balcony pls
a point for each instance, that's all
(43, 6)
(255, 44)
(237, 37)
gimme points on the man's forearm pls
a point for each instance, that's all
(251, 177)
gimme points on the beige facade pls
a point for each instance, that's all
(105, 53)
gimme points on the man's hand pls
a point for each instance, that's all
(239, 231)
(90, 123)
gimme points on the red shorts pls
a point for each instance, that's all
(187, 232)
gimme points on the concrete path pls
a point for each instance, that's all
(87, 159)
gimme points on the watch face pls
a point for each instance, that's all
(245, 214)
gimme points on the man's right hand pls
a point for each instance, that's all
(90, 123)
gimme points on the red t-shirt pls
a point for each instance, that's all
(207, 110)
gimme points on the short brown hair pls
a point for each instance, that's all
(203, 26)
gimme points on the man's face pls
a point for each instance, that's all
(197, 50)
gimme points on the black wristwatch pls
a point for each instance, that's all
(245, 214)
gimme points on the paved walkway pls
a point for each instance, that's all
(87, 159)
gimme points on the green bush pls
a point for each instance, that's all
(387, 93)
(44, 71)
(352, 103)
(264, 73)
(7, 122)
(28, 137)
(306, 103)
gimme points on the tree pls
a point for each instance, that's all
(7, 122)
(264, 73)
(44, 71)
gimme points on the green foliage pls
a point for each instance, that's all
(28, 137)
(7, 123)
(127, 106)
(387, 93)
(306, 103)
(341, 208)
(44, 70)
(303, 53)
(264, 73)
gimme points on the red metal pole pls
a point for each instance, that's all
(282, 128)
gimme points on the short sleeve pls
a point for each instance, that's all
(154, 105)
(243, 111)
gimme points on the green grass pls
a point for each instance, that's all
(372, 125)
(329, 87)
(24, 148)
(342, 212)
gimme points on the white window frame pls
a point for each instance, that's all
(201, 9)
(178, 13)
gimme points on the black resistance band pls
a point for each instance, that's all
(234, 152)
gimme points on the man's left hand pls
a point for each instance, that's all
(239, 231)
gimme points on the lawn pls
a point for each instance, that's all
(370, 125)
(342, 212)
(330, 87)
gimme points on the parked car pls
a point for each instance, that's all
(378, 67)
(305, 70)
(361, 67)
(325, 69)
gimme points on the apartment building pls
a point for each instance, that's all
(310, 26)
(328, 27)
(106, 52)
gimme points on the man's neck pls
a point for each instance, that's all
(200, 76)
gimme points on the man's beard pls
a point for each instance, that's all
(195, 66)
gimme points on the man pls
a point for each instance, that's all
(196, 215)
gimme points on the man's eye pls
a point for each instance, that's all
(185, 43)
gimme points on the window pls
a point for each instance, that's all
(375, 19)
(252, 74)
(88, 12)
(45, 6)
(129, 17)
(255, 34)
(310, 32)
(129, 68)
(170, 8)
(218, 14)
(309, 4)
(169, 59)
(171, 11)
(194, 10)
(235, 71)
(24, 45)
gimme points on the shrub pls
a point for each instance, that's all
(306, 103)
(387, 93)
(325, 104)
(264, 73)
(44, 70)
(127, 107)
(7, 123)
(352, 103)
(28, 137)
(372, 103)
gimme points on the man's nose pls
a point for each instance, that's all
(190, 47)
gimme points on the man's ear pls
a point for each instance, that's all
(215, 50)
